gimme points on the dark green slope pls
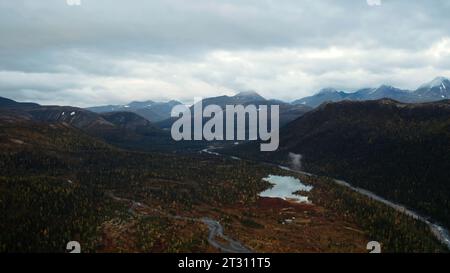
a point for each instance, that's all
(399, 151)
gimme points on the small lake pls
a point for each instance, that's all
(284, 188)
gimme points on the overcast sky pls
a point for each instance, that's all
(116, 51)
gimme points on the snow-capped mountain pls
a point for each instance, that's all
(384, 91)
(437, 89)
(327, 94)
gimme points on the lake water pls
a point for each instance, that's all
(284, 188)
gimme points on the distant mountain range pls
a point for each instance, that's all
(159, 112)
(144, 125)
(438, 89)
(123, 129)
(151, 110)
(288, 112)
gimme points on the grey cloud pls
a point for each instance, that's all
(114, 50)
(177, 25)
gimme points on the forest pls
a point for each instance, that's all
(55, 185)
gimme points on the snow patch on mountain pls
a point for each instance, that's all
(438, 81)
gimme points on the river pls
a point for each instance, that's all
(216, 230)
(440, 232)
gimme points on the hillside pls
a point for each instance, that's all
(8, 103)
(399, 151)
(124, 129)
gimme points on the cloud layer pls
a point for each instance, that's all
(111, 51)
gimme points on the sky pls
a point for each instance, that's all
(96, 52)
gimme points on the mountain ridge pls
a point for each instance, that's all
(437, 89)
(123, 129)
(150, 110)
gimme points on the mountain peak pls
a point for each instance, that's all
(249, 95)
(385, 86)
(173, 102)
(438, 81)
(327, 90)
(437, 89)
(140, 104)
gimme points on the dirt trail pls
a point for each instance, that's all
(215, 228)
